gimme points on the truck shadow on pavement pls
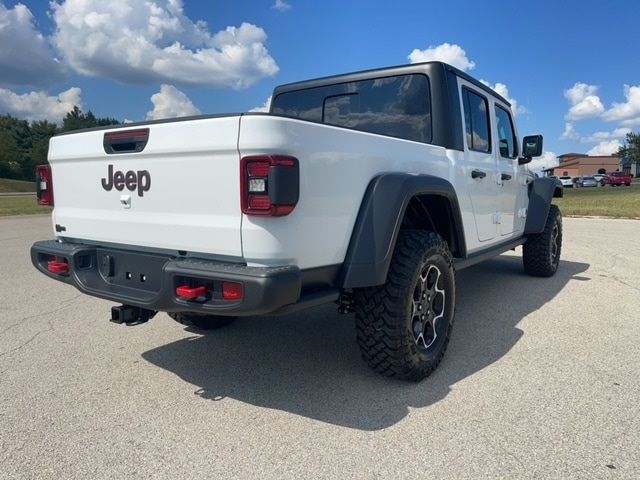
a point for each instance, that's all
(309, 364)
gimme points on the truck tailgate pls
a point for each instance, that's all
(180, 192)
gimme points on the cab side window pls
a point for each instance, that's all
(506, 135)
(396, 106)
(476, 120)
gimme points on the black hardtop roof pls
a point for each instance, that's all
(386, 71)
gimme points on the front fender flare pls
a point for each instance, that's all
(541, 190)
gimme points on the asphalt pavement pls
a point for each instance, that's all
(541, 380)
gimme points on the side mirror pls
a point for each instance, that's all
(531, 147)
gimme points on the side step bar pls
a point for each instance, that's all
(460, 263)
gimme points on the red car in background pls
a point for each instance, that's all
(617, 178)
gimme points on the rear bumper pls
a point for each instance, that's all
(150, 280)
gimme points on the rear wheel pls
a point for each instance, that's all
(202, 322)
(403, 326)
(541, 252)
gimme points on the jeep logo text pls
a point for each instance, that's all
(140, 180)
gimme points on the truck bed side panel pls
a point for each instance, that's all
(336, 166)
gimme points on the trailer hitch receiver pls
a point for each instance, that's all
(131, 315)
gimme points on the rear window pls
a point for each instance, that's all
(398, 106)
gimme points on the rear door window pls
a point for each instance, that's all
(476, 119)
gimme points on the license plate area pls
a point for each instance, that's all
(140, 271)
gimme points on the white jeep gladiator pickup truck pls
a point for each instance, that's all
(368, 189)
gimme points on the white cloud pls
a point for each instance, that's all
(628, 109)
(547, 160)
(170, 102)
(502, 90)
(605, 148)
(584, 102)
(631, 122)
(263, 108)
(602, 136)
(449, 53)
(143, 42)
(570, 132)
(38, 105)
(281, 6)
(579, 92)
(25, 56)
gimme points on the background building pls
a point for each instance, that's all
(580, 164)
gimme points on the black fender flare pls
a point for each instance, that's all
(379, 220)
(541, 191)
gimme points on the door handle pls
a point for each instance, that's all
(478, 174)
(505, 176)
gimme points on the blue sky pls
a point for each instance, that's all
(551, 56)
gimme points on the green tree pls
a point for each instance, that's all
(76, 119)
(9, 155)
(631, 149)
(15, 142)
(24, 145)
(41, 133)
(18, 129)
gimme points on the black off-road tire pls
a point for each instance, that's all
(202, 322)
(541, 252)
(387, 317)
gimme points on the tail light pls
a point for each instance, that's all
(44, 185)
(269, 185)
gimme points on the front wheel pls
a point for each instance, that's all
(202, 322)
(541, 251)
(403, 327)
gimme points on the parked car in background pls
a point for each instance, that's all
(566, 181)
(617, 178)
(600, 178)
(586, 182)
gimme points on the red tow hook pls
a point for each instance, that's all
(186, 292)
(58, 267)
